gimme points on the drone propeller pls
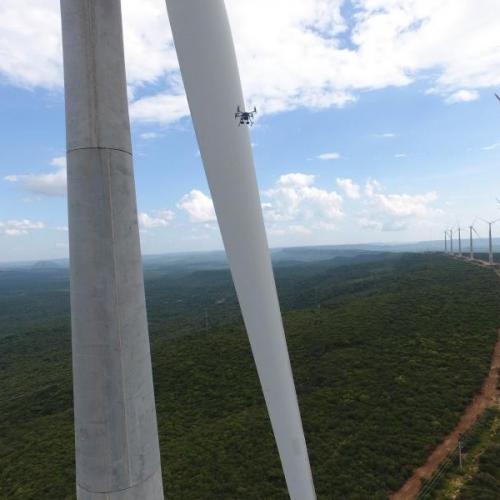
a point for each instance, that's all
(496, 95)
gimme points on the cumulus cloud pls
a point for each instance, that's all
(19, 227)
(296, 205)
(328, 59)
(46, 184)
(462, 96)
(371, 186)
(351, 189)
(395, 212)
(160, 108)
(30, 43)
(401, 204)
(198, 206)
(159, 218)
(31, 48)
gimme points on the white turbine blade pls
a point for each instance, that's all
(210, 73)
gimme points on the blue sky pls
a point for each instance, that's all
(377, 123)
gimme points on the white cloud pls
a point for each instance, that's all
(30, 43)
(31, 48)
(400, 155)
(328, 156)
(453, 38)
(395, 212)
(198, 206)
(371, 186)
(19, 227)
(149, 135)
(399, 204)
(404, 204)
(160, 218)
(58, 161)
(296, 180)
(296, 205)
(305, 54)
(462, 96)
(160, 108)
(46, 184)
(386, 135)
(491, 146)
(149, 52)
(350, 189)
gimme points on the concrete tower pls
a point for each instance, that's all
(116, 437)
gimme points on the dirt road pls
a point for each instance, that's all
(488, 396)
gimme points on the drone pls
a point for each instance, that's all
(246, 117)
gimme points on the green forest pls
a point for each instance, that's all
(485, 482)
(386, 350)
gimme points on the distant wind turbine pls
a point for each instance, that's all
(471, 244)
(451, 240)
(446, 241)
(490, 223)
(459, 241)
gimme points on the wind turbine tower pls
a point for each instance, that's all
(490, 223)
(209, 70)
(459, 242)
(451, 241)
(471, 243)
(116, 437)
(445, 241)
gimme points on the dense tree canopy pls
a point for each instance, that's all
(383, 369)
